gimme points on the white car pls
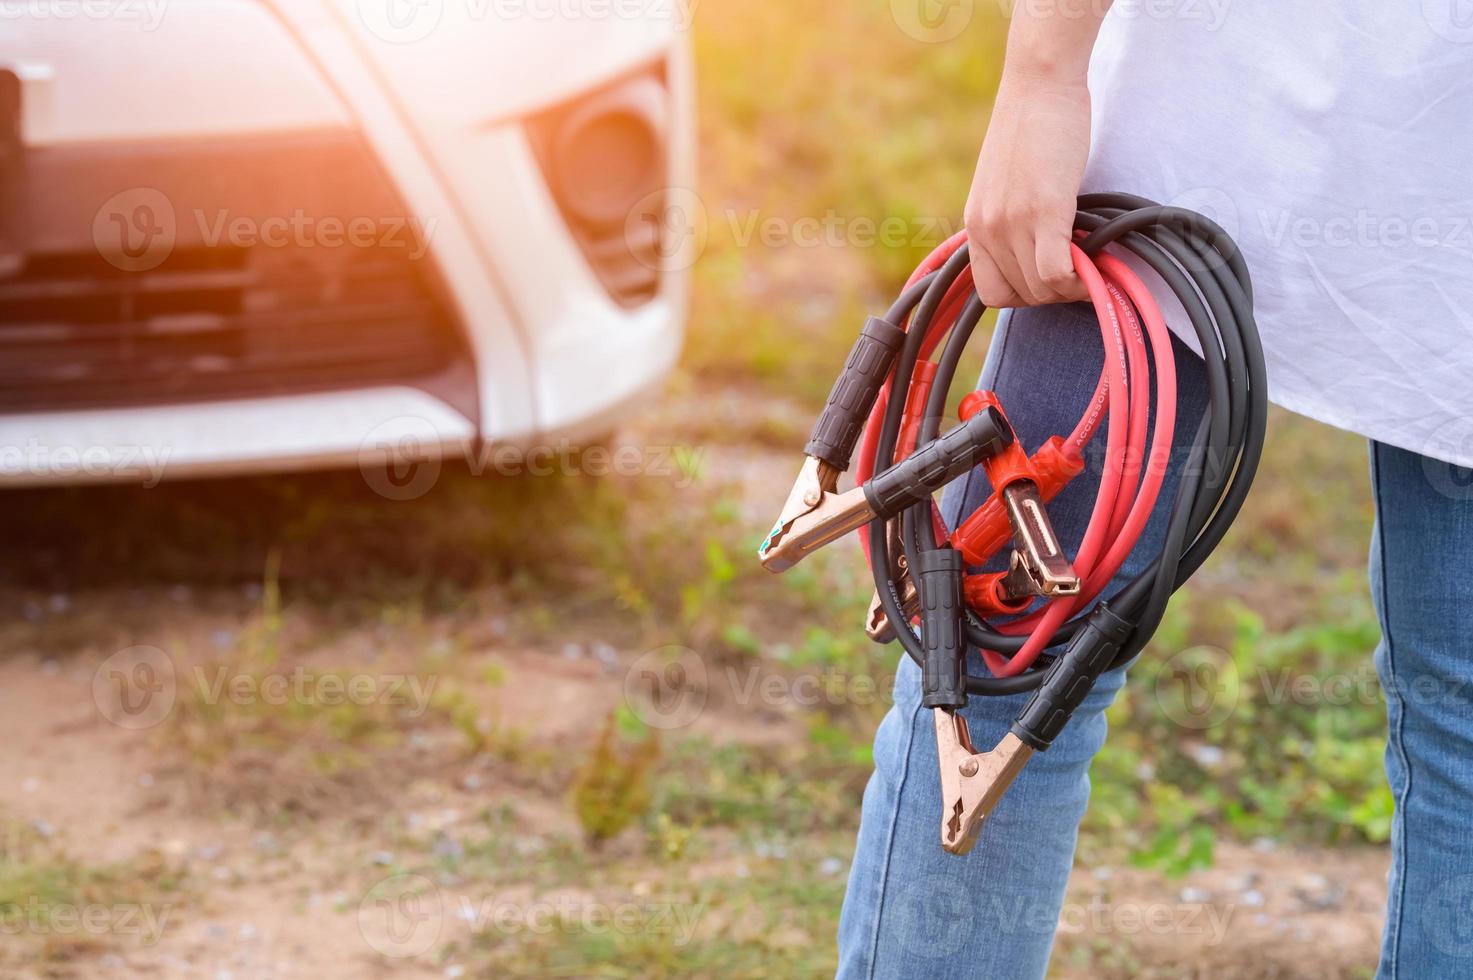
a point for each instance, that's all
(246, 235)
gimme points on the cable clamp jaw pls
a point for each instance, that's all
(972, 782)
(815, 514)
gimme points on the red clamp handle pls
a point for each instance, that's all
(987, 531)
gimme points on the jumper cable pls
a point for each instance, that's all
(1040, 625)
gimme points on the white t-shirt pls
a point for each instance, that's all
(1334, 141)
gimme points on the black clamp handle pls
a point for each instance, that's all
(837, 430)
(932, 467)
(943, 631)
(1070, 679)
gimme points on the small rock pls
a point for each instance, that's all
(1253, 899)
(1243, 882)
(210, 852)
(267, 843)
(454, 970)
(447, 848)
(830, 866)
(471, 781)
(43, 827)
(1265, 845)
(30, 784)
(383, 858)
(1208, 756)
(247, 932)
(222, 639)
(572, 651)
(1195, 896)
(216, 932)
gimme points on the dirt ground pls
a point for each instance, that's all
(324, 892)
(287, 907)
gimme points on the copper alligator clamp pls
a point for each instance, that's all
(972, 782)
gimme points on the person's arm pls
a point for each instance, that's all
(1021, 210)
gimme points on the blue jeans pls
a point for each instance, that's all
(914, 911)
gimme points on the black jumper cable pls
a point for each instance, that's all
(925, 597)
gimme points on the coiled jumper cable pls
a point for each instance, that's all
(1045, 624)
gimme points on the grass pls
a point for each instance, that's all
(821, 115)
(59, 912)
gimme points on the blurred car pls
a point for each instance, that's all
(254, 235)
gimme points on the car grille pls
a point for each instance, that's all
(216, 322)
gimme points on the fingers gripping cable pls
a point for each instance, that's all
(1044, 624)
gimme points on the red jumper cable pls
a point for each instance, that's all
(1040, 625)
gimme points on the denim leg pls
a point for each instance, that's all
(1421, 561)
(913, 910)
